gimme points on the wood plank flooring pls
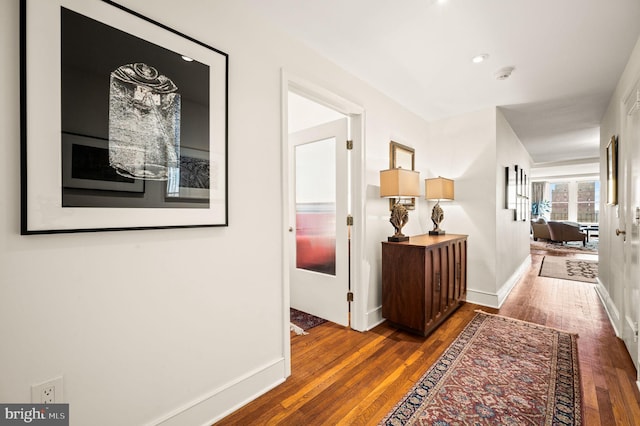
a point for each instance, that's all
(344, 377)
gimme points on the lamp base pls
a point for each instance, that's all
(437, 232)
(398, 239)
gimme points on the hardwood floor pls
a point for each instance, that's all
(344, 377)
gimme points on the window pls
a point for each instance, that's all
(588, 201)
(575, 201)
(559, 201)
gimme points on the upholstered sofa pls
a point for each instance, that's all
(566, 231)
(557, 231)
(540, 229)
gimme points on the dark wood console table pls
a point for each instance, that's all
(424, 280)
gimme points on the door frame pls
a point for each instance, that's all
(356, 115)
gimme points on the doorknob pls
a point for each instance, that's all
(618, 232)
(291, 229)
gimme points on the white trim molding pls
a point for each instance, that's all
(374, 318)
(495, 300)
(609, 306)
(356, 113)
(221, 402)
(508, 286)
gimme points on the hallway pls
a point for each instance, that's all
(345, 377)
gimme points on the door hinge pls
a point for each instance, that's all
(350, 296)
(349, 145)
(349, 220)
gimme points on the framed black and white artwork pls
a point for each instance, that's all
(124, 121)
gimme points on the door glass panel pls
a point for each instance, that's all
(315, 182)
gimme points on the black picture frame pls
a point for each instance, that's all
(612, 171)
(519, 184)
(60, 66)
(510, 190)
(524, 199)
(517, 192)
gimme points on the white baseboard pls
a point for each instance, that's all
(482, 298)
(514, 279)
(374, 318)
(495, 300)
(221, 402)
(609, 306)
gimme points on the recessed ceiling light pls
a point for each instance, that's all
(186, 58)
(480, 58)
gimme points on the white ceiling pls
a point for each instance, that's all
(568, 56)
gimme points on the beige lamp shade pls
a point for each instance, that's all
(438, 189)
(399, 183)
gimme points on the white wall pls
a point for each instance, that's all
(304, 113)
(184, 322)
(512, 237)
(611, 254)
(473, 149)
(190, 322)
(144, 323)
(407, 130)
(463, 148)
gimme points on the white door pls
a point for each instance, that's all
(629, 159)
(318, 205)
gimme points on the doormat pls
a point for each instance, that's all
(498, 371)
(569, 269)
(303, 321)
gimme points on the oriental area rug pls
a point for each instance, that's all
(562, 248)
(569, 269)
(498, 371)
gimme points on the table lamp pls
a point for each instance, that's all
(399, 183)
(438, 189)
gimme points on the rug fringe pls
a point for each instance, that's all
(298, 330)
(480, 311)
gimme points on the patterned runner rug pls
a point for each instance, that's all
(301, 321)
(498, 371)
(569, 269)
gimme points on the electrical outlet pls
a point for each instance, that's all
(50, 392)
(48, 395)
